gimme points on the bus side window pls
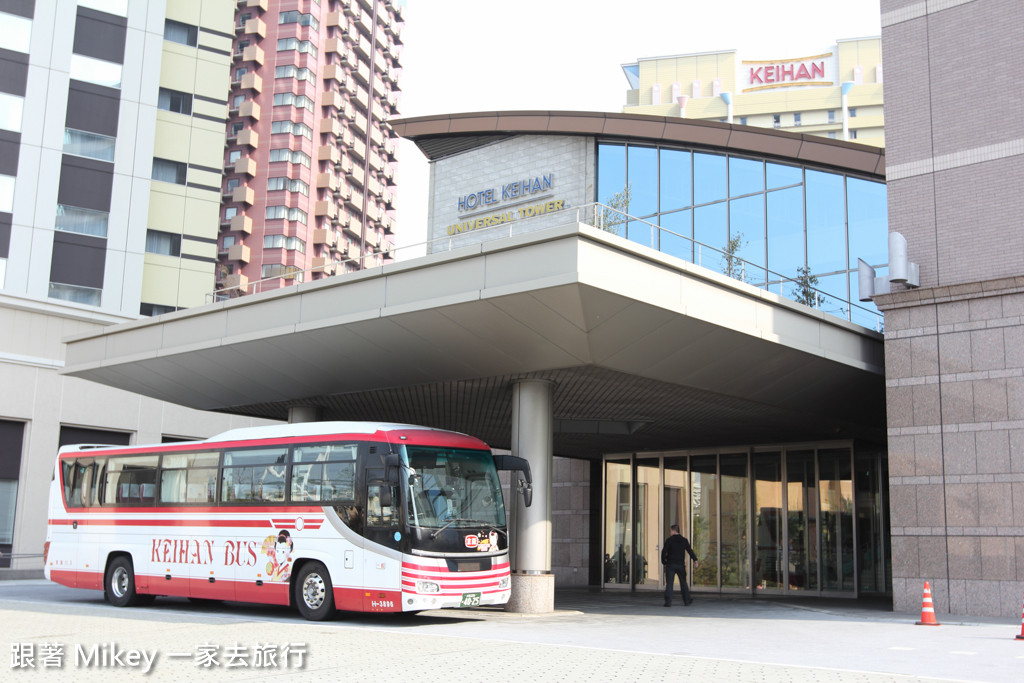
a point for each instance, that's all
(378, 515)
(68, 474)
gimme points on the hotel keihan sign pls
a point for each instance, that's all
(524, 198)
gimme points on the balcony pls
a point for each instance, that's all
(362, 72)
(327, 181)
(246, 165)
(336, 45)
(389, 172)
(343, 191)
(355, 228)
(325, 208)
(235, 281)
(357, 175)
(262, 4)
(252, 53)
(328, 153)
(253, 27)
(371, 239)
(362, 47)
(350, 7)
(376, 137)
(335, 20)
(250, 109)
(360, 124)
(323, 264)
(330, 126)
(376, 162)
(238, 252)
(353, 251)
(346, 165)
(242, 223)
(332, 98)
(334, 72)
(251, 81)
(249, 137)
(326, 237)
(243, 195)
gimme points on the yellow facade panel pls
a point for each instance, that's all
(178, 67)
(195, 283)
(212, 76)
(172, 138)
(206, 148)
(166, 207)
(201, 249)
(202, 217)
(217, 15)
(187, 11)
(160, 280)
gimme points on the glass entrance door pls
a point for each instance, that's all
(618, 523)
(769, 552)
(647, 558)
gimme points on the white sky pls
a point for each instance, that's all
(493, 55)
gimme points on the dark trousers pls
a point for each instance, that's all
(671, 571)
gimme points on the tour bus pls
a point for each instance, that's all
(355, 516)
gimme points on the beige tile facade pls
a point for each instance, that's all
(954, 353)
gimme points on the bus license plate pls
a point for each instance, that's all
(470, 600)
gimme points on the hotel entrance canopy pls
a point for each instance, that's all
(645, 351)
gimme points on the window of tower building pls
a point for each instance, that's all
(288, 213)
(302, 46)
(150, 310)
(83, 221)
(231, 183)
(291, 128)
(278, 270)
(853, 112)
(15, 32)
(169, 171)
(96, 71)
(11, 107)
(289, 184)
(175, 101)
(6, 193)
(283, 242)
(796, 118)
(228, 241)
(178, 32)
(91, 145)
(750, 219)
(234, 155)
(296, 17)
(230, 212)
(166, 243)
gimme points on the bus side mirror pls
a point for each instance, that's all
(517, 464)
(392, 463)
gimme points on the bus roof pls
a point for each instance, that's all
(281, 431)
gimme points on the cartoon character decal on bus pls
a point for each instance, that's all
(279, 550)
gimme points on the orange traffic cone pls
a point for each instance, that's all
(927, 608)
(1021, 636)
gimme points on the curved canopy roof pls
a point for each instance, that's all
(446, 134)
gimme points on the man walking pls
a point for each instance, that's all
(673, 556)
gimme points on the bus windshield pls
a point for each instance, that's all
(453, 487)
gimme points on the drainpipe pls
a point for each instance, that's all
(847, 86)
(727, 97)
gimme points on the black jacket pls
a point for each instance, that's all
(675, 550)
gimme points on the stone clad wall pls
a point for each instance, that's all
(955, 394)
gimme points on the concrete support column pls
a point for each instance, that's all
(533, 584)
(303, 414)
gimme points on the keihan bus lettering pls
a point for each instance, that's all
(355, 516)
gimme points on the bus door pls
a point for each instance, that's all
(382, 568)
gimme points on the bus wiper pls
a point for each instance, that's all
(481, 522)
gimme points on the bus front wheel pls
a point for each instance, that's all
(314, 595)
(119, 587)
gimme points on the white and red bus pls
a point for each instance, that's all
(364, 517)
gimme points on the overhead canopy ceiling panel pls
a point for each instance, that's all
(650, 353)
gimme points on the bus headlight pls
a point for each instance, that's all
(503, 583)
(427, 587)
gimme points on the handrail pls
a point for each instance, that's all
(616, 222)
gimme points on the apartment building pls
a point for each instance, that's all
(112, 116)
(309, 181)
(835, 93)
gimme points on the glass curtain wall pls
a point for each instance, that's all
(797, 520)
(793, 230)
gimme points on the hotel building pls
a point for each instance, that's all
(835, 93)
(309, 183)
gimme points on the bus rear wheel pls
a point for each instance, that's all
(314, 595)
(119, 585)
